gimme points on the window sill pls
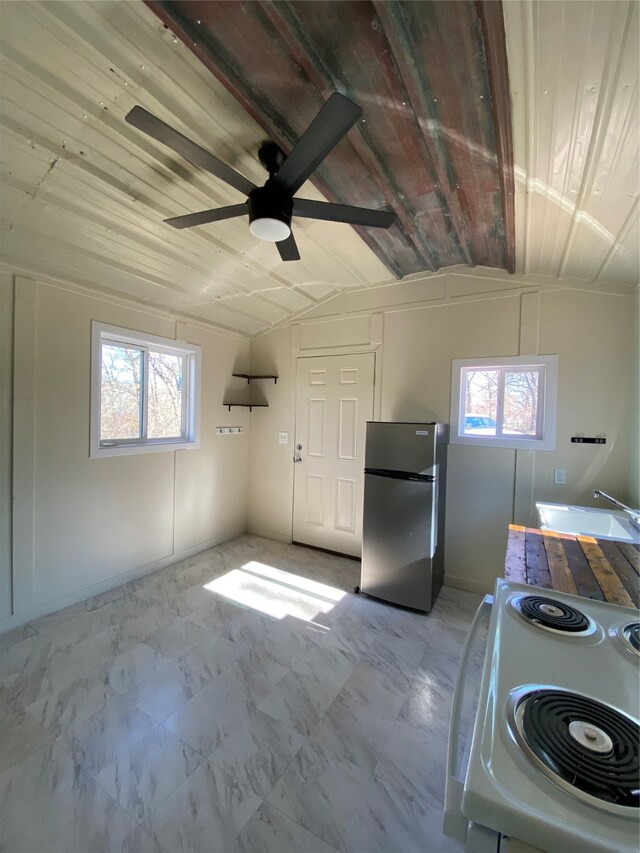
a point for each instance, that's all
(506, 443)
(146, 447)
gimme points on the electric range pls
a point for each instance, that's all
(554, 758)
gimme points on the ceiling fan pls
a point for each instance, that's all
(271, 206)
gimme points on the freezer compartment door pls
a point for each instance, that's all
(401, 447)
(399, 540)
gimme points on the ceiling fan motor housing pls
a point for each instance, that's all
(269, 203)
(271, 156)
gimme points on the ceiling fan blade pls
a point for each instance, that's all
(343, 213)
(155, 127)
(325, 131)
(204, 216)
(289, 249)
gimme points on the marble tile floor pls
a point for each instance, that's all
(242, 701)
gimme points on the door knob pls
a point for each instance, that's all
(297, 458)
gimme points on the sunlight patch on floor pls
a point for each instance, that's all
(276, 593)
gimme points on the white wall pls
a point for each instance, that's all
(6, 393)
(426, 324)
(595, 338)
(634, 461)
(83, 525)
(271, 484)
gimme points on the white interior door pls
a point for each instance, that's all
(333, 403)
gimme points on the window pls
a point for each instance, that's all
(145, 392)
(505, 402)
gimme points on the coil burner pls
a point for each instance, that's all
(629, 635)
(553, 615)
(586, 747)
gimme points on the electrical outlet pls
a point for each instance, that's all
(560, 476)
(283, 438)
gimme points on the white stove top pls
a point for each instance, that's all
(504, 789)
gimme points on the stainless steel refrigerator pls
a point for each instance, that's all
(403, 521)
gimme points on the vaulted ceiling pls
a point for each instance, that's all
(434, 142)
(83, 194)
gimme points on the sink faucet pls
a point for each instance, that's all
(633, 514)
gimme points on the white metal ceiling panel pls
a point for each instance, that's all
(84, 194)
(573, 69)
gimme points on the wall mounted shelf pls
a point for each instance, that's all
(250, 377)
(246, 406)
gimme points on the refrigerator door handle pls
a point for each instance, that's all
(400, 475)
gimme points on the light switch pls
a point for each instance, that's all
(283, 438)
(560, 476)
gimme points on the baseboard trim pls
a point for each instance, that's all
(466, 584)
(18, 619)
(269, 534)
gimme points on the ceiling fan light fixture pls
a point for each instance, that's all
(270, 214)
(267, 228)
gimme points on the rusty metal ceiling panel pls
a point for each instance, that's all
(434, 141)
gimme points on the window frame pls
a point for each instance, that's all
(103, 333)
(545, 439)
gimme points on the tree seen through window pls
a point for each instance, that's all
(126, 379)
(499, 401)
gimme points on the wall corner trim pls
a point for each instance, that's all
(24, 433)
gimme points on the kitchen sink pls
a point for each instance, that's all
(587, 521)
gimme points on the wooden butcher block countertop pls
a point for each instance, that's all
(580, 565)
